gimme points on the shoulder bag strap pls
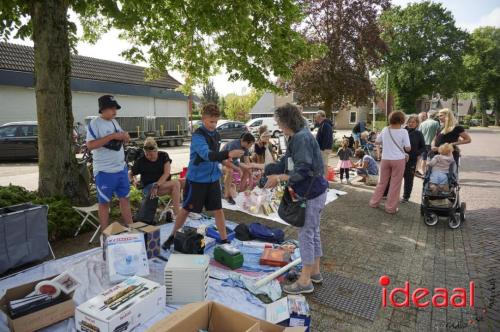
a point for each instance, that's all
(392, 138)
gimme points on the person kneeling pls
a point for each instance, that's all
(366, 168)
(156, 180)
(244, 169)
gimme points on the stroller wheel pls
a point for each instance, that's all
(431, 219)
(454, 221)
(462, 211)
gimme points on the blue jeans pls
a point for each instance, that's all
(309, 234)
(438, 177)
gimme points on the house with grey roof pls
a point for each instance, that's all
(90, 78)
(343, 119)
(465, 106)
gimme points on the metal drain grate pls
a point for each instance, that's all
(351, 296)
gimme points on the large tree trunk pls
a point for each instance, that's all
(58, 169)
(327, 107)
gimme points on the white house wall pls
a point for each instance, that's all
(18, 104)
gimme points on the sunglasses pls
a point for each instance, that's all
(149, 148)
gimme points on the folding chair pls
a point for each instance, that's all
(86, 213)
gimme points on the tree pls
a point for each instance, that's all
(348, 36)
(252, 40)
(238, 107)
(425, 52)
(209, 94)
(482, 62)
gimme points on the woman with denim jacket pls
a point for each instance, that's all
(302, 167)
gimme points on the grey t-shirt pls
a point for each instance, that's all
(105, 160)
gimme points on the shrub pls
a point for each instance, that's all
(62, 219)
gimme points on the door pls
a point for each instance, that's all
(7, 141)
(25, 143)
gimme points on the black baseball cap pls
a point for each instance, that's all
(107, 101)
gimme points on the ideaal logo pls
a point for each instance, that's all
(422, 297)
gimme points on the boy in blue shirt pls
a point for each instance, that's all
(202, 187)
(105, 139)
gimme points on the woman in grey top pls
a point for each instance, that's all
(302, 167)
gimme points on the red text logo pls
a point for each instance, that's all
(422, 297)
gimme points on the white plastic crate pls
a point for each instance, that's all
(186, 278)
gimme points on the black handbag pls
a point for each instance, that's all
(293, 212)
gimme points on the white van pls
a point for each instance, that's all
(254, 124)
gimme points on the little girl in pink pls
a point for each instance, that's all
(345, 164)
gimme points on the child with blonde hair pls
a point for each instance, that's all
(440, 168)
(345, 164)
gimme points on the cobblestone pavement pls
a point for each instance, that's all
(363, 244)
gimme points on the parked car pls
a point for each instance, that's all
(231, 129)
(19, 140)
(195, 125)
(254, 124)
(474, 122)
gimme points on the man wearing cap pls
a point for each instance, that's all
(429, 129)
(154, 169)
(105, 139)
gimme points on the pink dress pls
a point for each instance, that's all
(345, 158)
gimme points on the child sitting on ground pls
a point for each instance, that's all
(345, 164)
(440, 167)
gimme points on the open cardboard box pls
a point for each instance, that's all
(151, 235)
(215, 317)
(38, 319)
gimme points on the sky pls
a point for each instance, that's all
(468, 15)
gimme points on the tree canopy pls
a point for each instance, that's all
(482, 62)
(425, 52)
(209, 94)
(238, 107)
(252, 40)
(348, 36)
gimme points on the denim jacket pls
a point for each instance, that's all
(303, 163)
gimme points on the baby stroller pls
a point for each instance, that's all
(443, 203)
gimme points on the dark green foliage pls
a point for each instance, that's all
(62, 219)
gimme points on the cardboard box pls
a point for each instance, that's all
(215, 317)
(39, 319)
(151, 235)
(126, 256)
(299, 312)
(122, 307)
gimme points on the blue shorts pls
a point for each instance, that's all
(356, 136)
(108, 184)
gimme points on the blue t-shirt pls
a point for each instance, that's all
(236, 145)
(105, 160)
(372, 165)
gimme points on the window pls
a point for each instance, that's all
(9, 131)
(224, 126)
(256, 123)
(353, 117)
(35, 130)
(25, 131)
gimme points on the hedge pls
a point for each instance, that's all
(62, 218)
